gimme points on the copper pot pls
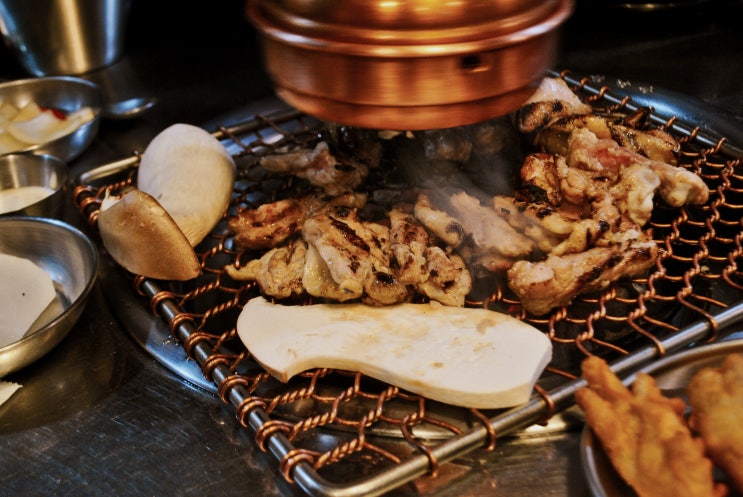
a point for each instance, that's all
(407, 64)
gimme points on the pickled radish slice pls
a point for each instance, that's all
(34, 125)
(25, 291)
(47, 126)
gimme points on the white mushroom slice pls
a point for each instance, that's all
(142, 237)
(461, 356)
(191, 174)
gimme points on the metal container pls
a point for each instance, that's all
(29, 170)
(71, 260)
(64, 37)
(64, 93)
(408, 64)
(672, 374)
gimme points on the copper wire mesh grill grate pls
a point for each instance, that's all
(696, 280)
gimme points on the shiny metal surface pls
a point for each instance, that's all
(98, 415)
(124, 96)
(129, 108)
(70, 259)
(20, 170)
(65, 93)
(64, 37)
(408, 65)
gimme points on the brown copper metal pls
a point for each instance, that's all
(408, 64)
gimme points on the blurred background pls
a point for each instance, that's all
(177, 49)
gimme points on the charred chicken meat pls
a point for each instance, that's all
(573, 222)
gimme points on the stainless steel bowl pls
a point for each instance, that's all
(64, 36)
(64, 93)
(25, 170)
(71, 259)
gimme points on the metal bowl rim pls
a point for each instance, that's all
(61, 169)
(92, 251)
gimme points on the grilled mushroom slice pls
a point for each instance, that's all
(141, 236)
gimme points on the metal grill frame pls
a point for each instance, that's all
(304, 466)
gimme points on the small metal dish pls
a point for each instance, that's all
(71, 259)
(64, 93)
(671, 374)
(31, 170)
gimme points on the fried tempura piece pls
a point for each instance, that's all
(716, 399)
(644, 435)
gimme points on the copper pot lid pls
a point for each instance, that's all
(407, 64)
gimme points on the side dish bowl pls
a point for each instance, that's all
(71, 260)
(24, 178)
(671, 374)
(61, 93)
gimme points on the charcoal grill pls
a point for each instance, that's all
(340, 433)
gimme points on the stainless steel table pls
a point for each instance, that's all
(99, 416)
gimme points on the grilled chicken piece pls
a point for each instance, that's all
(542, 224)
(541, 180)
(654, 144)
(363, 144)
(320, 168)
(451, 144)
(448, 229)
(493, 137)
(460, 144)
(271, 224)
(549, 180)
(278, 272)
(678, 186)
(554, 282)
(317, 280)
(559, 231)
(409, 241)
(634, 192)
(356, 256)
(448, 280)
(553, 139)
(489, 232)
(434, 273)
(268, 225)
(552, 100)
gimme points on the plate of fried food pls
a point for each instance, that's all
(671, 429)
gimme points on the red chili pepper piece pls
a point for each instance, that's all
(59, 114)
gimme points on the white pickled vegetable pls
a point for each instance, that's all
(26, 290)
